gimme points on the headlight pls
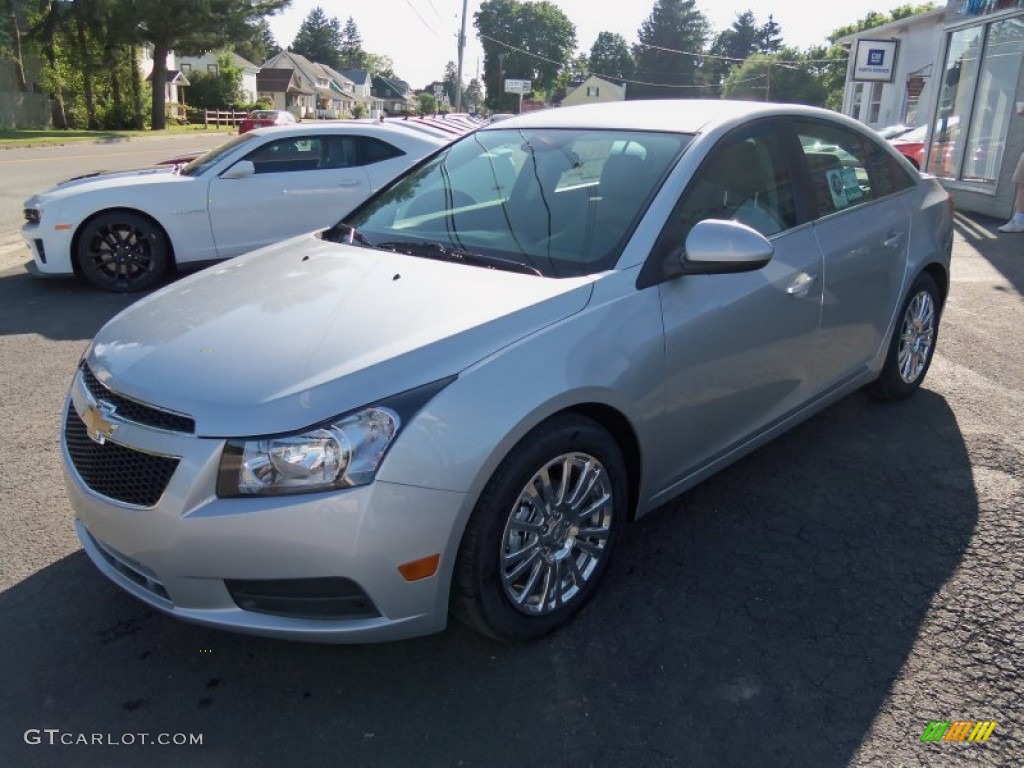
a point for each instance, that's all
(342, 453)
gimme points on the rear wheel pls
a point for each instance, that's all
(543, 531)
(122, 251)
(913, 342)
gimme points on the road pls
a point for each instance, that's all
(816, 604)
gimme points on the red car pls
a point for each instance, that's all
(912, 145)
(261, 118)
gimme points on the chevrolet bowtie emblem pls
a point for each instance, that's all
(96, 417)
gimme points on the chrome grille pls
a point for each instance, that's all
(136, 412)
(114, 471)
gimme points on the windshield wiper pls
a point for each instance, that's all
(440, 252)
(346, 233)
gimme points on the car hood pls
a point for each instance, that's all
(304, 330)
(92, 182)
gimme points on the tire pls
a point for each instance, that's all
(913, 342)
(518, 539)
(122, 251)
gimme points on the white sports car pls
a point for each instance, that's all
(121, 231)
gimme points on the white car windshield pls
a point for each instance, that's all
(204, 161)
(556, 202)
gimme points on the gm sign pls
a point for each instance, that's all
(875, 60)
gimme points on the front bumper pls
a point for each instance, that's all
(51, 250)
(185, 553)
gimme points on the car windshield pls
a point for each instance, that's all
(262, 114)
(212, 157)
(561, 203)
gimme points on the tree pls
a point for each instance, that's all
(770, 39)
(428, 104)
(734, 44)
(780, 77)
(523, 41)
(319, 39)
(451, 75)
(378, 64)
(669, 55)
(10, 42)
(258, 44)
(610, 56)
(352, 54)
(216, 90)
(192, 25)
(474, 95)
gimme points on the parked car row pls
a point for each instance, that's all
(459, 394)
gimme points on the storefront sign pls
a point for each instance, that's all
(876, 60)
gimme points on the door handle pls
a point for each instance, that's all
(801, 285)
(893, 239)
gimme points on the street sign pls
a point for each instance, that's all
(518, 86)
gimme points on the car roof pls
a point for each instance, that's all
(676, 115)
(370, 128)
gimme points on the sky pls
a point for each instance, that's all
(421, 36)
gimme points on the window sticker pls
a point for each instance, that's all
(837, 187)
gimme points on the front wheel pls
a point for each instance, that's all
(913, 342)
(122, 251)
(543, 531)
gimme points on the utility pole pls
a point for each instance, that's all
(462, 49)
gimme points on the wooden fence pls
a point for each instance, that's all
(222, 117)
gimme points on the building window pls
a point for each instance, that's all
(856, 101)
(876, 103)
(212, 69)
(321, 82)
(977, 101)
(593, 91)
(186, 68)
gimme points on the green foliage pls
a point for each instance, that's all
(216, 90)
(258, 44)
(770, 37)
(474, 95)
(428, 104)
(378, 64)
(319, 39)
(523, 41)
(779, 77)
(734, 44)
(674, 25)
(610, 56)
(358, 110)
(352, 54)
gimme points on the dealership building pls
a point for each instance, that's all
(958, 70)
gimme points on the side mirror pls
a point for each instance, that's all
(240, 170)
(716, 247)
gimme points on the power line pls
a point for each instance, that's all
(420, 17)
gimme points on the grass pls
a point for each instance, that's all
(50, 137)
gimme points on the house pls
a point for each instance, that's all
(176, 80)
(306, 100)
(282, 88)
(956, 70)
(363, 82)
(594, 90)
(209, 62)
(396, 95)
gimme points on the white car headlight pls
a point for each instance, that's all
(342, 453)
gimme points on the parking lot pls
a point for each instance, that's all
(816, 604)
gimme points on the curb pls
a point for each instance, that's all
(112, 140)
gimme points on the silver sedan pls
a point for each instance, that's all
(457, 397)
